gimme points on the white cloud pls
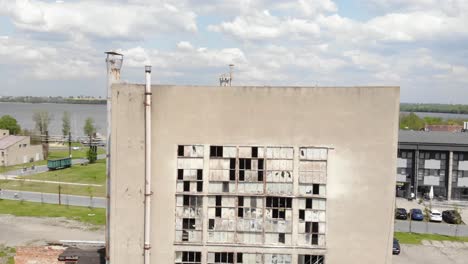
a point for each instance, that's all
(263, 25)
(104, 19)
(44, 62)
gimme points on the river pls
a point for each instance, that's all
(23, 112)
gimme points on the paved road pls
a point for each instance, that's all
(433, 253)
(50, 198)
(431, 228)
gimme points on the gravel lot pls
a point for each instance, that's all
(16, 231)
(433, 252)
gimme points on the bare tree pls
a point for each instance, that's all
(66, 123)
(42, 120)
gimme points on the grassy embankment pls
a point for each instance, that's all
(7, 255)
(413, 238)
(89, 174)
(95, 216)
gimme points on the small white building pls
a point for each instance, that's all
(17, 149)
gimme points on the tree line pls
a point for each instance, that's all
(412, 121)
(42, 121)
(435, 108)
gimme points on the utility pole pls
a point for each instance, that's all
(59, 191)
(69, 145)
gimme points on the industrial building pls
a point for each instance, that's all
(17, 149)
(438, 159)
(253, 174)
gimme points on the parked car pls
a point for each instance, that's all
(435, 216)
(396, 247)
(416, 214)
(400, 213)
(451, 217)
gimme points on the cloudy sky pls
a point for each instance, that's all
(57, 47)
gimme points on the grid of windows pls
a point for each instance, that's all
(247, 258)
(188, 257)
(432, 164)
(312, 217)
(222, 177)
(408, 166)
(250, 220)
(312, 171)
(189, 218)
(279, 170)
(277, 258)
(311, 259)
(249, 198)
(222, 219)
(460, 167)
(189, 169)
(278, 220)
(251, 170)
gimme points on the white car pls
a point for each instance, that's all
(435, 216)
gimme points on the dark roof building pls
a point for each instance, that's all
(435, 159)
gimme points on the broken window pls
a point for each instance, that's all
(279, 170)
(312, 171)
(278, 220)
(221, 258)
(311, 228)
(221, 219)
(311, 259)
(251, 170)
(190, 151)
(222, 174)
(189, 218)
(216, 151)
(277, 259)
(188, 257)
(190, 169)
(250, 220)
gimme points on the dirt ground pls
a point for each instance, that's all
(26, 231)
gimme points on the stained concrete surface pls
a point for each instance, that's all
(22, 231)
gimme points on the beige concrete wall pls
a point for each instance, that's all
(359, 123)
(15, 154)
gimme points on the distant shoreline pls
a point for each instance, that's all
(404, 107)
(52, 100)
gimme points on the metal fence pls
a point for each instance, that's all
(431, 228)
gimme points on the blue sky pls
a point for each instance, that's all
(57, 47)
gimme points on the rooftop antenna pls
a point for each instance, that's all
(225, 79)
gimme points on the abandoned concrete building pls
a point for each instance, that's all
(261, 175)
(17, 149)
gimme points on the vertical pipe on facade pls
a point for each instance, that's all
(114, 63)
(148, 193)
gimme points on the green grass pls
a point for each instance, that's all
(95, 216)
(413, 238)
(7, 255)
(92, 173)
(76, 154)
